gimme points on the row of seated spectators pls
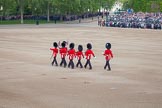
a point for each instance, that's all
(134, 20)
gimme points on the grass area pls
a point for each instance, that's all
(7, 22)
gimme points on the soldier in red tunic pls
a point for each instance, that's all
(55, 52)
(88, 55)
(79, 55)
(108, 55)
(63, 52)
(59, 44)
(71, 54)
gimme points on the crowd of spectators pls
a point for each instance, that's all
(134, 20)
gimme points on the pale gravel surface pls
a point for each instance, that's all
(27, 80)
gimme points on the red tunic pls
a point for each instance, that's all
(88, 54)
(71, 54)
(108, 54)
(63, 52)
(55, 51)
(79, 55)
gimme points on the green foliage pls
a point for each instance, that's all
(143, 5)
(53, 7)
(64, 7)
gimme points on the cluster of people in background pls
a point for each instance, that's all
(135, 20)
(64, 52)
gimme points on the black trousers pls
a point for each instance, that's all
(54, 61)
(63, 61)
(71, 63)
(107, 65)
(79, 63)
(88, 63)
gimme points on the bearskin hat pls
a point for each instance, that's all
(89, 46)
(55, 45)
(80, 48)
(71, 45)
(63, 44)
(108, 45)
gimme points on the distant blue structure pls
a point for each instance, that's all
(129, 11)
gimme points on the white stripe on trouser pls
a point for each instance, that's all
(70, 57)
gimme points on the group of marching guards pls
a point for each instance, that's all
(62, 49)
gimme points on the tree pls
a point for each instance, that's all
(22, 10)
(8, 9)
(143, 5)
(47, 7)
